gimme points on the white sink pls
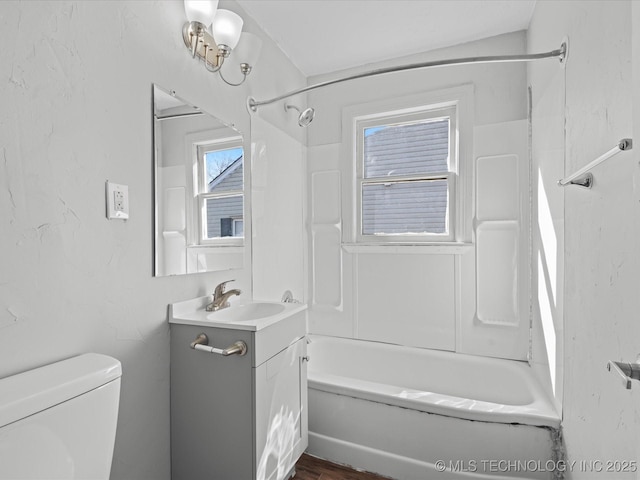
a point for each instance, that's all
(246, 312)
(251, 315)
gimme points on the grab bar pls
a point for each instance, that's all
(584, 179)
(627, 371)
(201, 343)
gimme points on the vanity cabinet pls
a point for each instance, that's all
(239, 417)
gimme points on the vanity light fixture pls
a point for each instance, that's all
(212, 34)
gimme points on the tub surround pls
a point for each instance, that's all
(445, 302)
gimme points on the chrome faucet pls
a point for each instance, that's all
(221, 297)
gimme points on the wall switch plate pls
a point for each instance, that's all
(117, 201)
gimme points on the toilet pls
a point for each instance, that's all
(59, 421)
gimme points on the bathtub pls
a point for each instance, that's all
(411, 413)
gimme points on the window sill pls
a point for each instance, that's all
(452, 248)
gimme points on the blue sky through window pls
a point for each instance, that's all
(372, 130)
(218, 160)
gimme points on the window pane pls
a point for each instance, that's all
(405, 207)
(418, 148)
(224, 217)
(224, 170)
(238, 228)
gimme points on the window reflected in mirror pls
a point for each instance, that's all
(221, 193)
(199, 184)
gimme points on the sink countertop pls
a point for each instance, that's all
(192, 312)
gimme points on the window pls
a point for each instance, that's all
(221, 191)
(406, 173)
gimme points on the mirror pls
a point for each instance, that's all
(199, 196)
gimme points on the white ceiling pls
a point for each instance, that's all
(323, 36)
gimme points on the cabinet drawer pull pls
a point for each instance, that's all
(201, 343)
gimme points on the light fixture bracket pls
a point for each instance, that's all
(206, 49)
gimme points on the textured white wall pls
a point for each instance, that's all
(76, 110)
(601, 262)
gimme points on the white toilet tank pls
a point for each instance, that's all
(59, 421)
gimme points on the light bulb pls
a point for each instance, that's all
(226, 28)
(201, 11)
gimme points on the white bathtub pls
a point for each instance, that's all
(407, 412)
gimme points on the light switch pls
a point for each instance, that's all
(117, 201)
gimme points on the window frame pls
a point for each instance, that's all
(398, 118)
(460, 191)
(201, 195)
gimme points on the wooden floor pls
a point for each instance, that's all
(312, 468)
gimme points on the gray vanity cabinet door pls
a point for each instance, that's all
(211, 407)
(281, 411)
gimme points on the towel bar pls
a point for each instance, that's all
(201, 343)
(584, 179)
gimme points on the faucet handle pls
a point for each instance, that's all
(219, 290)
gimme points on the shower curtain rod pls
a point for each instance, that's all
(560, 53)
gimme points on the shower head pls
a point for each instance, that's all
(305, 116)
